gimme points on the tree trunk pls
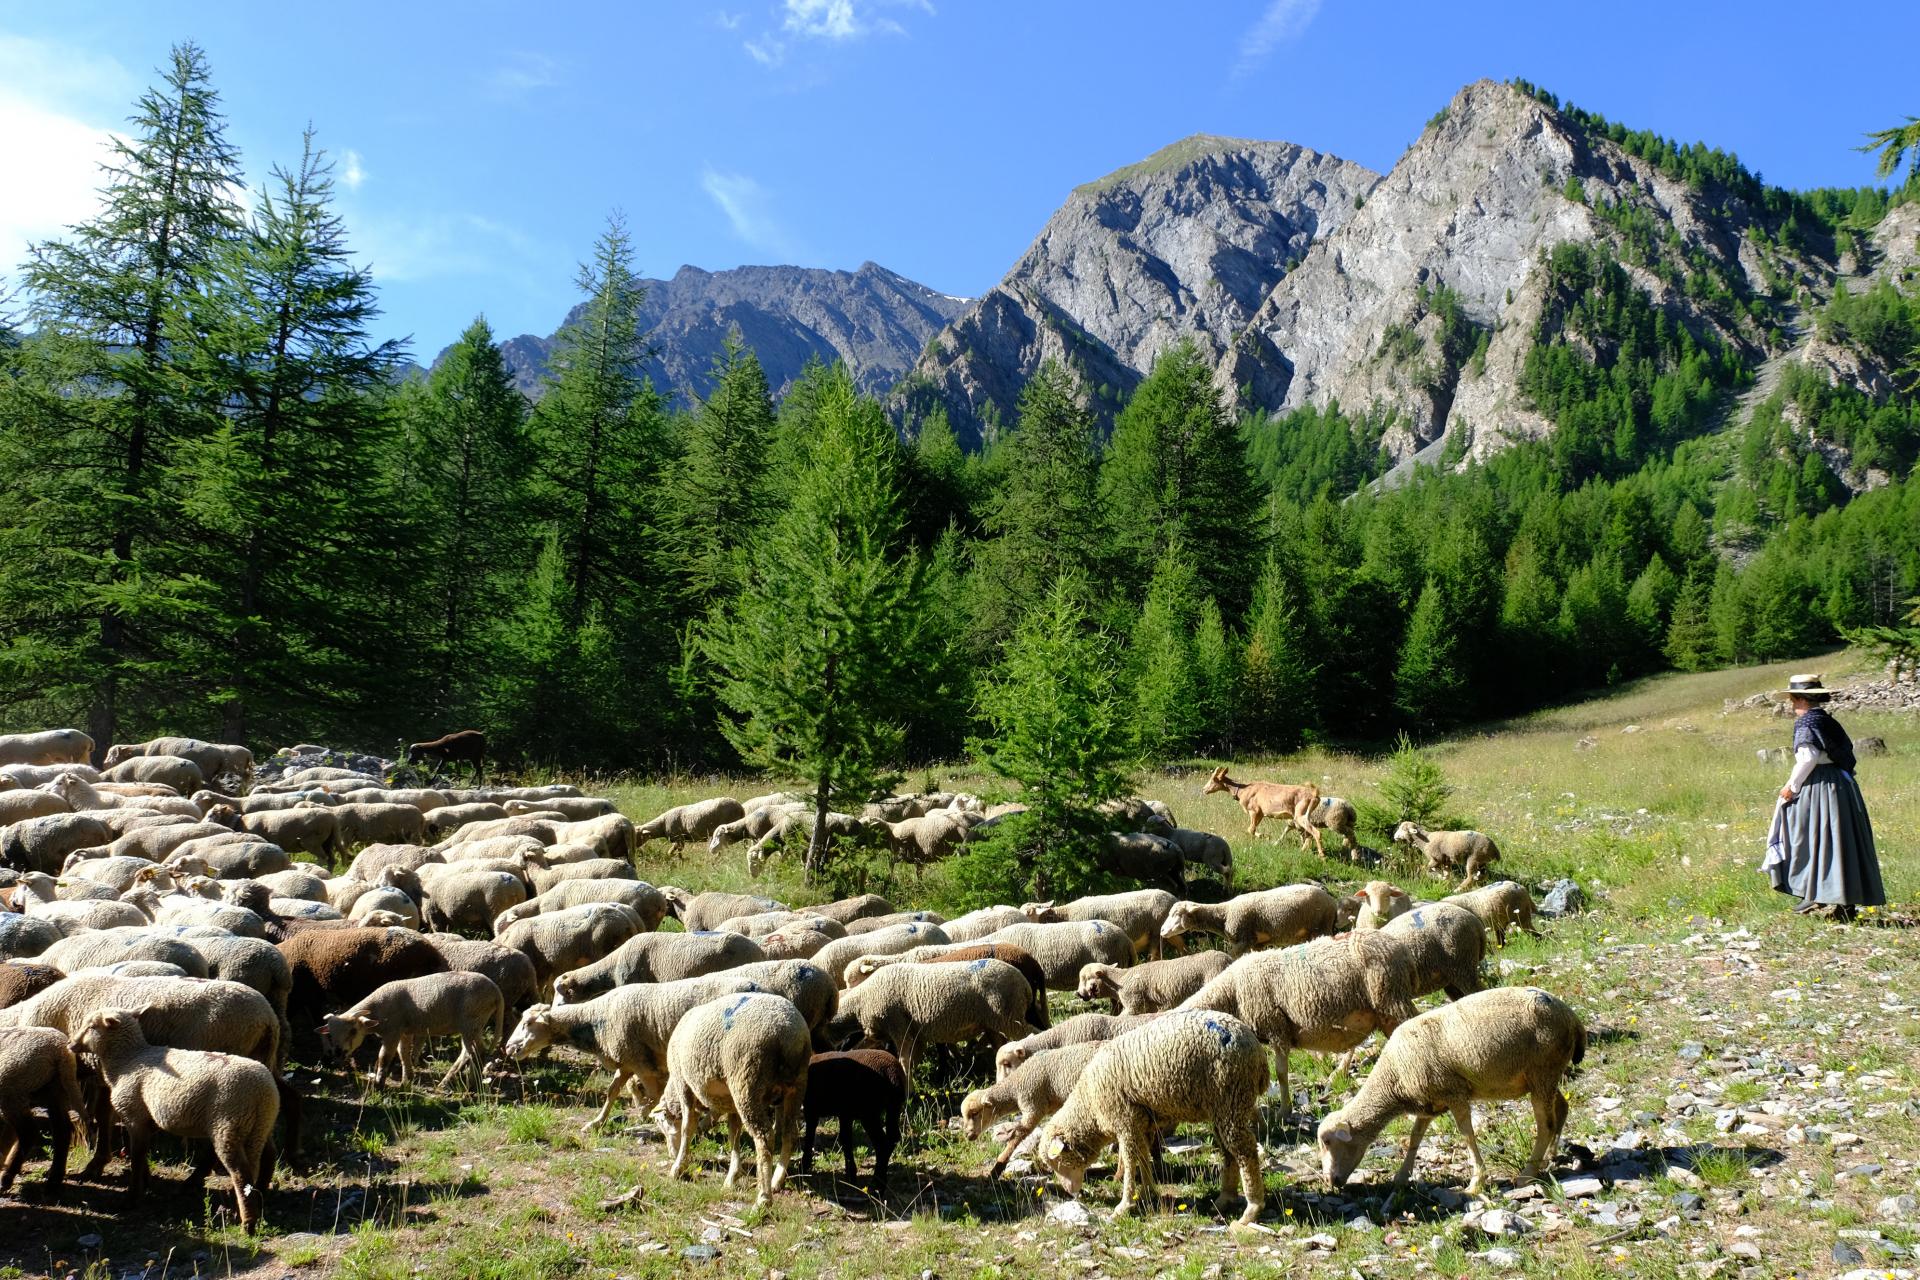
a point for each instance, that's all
(817, 842)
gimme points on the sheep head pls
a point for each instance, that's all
(1065, 1159)
(341, 1034)
(117, 753)
(107, 1027)
(1096, 982)
(1340, 1149)
(1409, 833)
(976, 1111)
(1041, 912)
(535, 1032)
(1177, 921)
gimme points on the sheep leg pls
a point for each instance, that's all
(620, 1078)
(233, 1158)
(467, 1046)
(1281, 1074)
(762, 1157)
(139, 1136)
(1136, 1164)
(1021, 1128)
(681, 1132)
(1414, 1135)
(806, 1145)
(1240, 1152)
(1463, 1120)
(1549, 1114)
(25, 1136)
(784, 1118)
(99, 1134)
(733, 1150)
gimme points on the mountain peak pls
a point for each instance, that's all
(1171, 158)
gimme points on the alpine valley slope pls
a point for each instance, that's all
(1187, 243)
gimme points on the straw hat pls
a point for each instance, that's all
(1806, 686)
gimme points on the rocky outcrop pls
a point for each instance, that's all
(873, 319)
(1185, 244)
(1495, 179)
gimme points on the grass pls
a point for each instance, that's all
(1662, 826)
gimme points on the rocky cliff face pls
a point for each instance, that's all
(874, 320)
(1497, 178)
(1186, 244)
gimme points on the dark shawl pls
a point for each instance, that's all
(1816, 729)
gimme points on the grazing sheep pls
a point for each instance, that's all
(375, 858)
(99, 947)
(1035, 1090)
(1138, 914)
(646, 901)
(908, 1006)
(1136, 814)
(658, 957)
(232, 1102)
(22, 980)
(1272, 917)
(447, 819)
(212, 758)
(336, 968)
(364, 824)
(754, 824)
(1186, 1066)
(462, 746)
(1338, 816)
(304, 829)
(37, 1069)
(49, 746)
(1079, 1029)
(31, 802)
(184, 776)
(925, 839)
(841, 952)
(865, 906)
(572, 808)
(506, 968)
(864, 1085)
(1140, 855)
(611, 834)
(1447, 851)
(1494, 1044)
(561, 941)
(742, 1057)
(1446, 944)
(799, 824)
(545, 877)
(22, 937)
(408, 1011)
(706, 910)
(976, 925)
(1293, 804)
(1499, 905)
(425, 799)
(458, 897)
(42, 844)
(873, 924)
(388, 899)
(864, 967)
(1206, 849)
(1065, 949)
(1154, 986)
(688, 822)
(627, 1028)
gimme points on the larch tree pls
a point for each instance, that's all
(715, 501)
(1276, 687)
(817, 660)
(85, 456)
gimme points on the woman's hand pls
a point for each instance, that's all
(1787, 794)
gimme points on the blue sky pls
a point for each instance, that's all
(480, 147)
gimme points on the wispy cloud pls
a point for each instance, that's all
(1283, 21)
(728, 21)
(57, 105)
(834, 21)
(522, 73)
(352, 171)
(748, 210)
(417, 246)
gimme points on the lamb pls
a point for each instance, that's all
(405, 1012)
(1138, 914)
(363, 824)
(37, 1069)
(1138, 855)
(743, 1057)
(463, 746)
(706, 910)
(1034, 1090)
(1263, 800)
(1079, 1029)
(658, 957)
(1206, 849)
(1185, 1066)
(1271, 917)
(976, 925)
(859, 970)
(907, 1006)
(336, 968)
(50, 746)
(687, 822)
(1447, 851)
(561, 941)
(233, 1102)
(506, 968)
(1338, 816)
(184, 776)
(864, 1085)
(627, 1028)
(1372, 905)
(42, 844)
(1495, 1044)
(646, 901)
(1153, 987)
(926, 839)
(1065, 949)
(1499, 905)
(211, 758)
(839, 953)
(459, 898)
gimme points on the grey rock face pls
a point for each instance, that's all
(1563, 898)
(1185, 244)
(873, 319)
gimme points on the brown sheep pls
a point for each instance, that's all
(335, 967)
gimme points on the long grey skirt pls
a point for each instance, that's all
(1820, 847)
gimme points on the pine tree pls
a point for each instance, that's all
(1690, 643)
(108, 310)
(1176, 474)
(465, 465)
(1216, 678)
(1276, 708)
(287, 518)
(1650, 602)
(1161, 675)
(818, 658)
(1428, 685)
(715, 501)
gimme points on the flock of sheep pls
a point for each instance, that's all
(165, 952)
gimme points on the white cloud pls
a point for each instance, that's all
(729, 21)
(1283, 21)
(55, 107)
(352, 171)
(523, 73)
(746, 206)
(767, 51)
(833, 19)
(421, 247)
(836, 21)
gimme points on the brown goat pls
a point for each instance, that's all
(1262, 800)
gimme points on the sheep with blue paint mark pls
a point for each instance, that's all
(1064, 949)
(906, 1007)
(891, 941)
(658, 957)
(741, 1058)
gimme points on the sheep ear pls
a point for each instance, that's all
(1053, 1150)
(1341, 1134)
(367, 1021)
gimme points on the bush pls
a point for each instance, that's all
(1415, 789)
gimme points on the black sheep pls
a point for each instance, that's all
(860, 1084)
(465, 746)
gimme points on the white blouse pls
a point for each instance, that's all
(1805, 761)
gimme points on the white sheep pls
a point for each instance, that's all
(1154, 986)
(408, 1011)
(658, 957)
(1139, 914)
(1034, 1090)
(1446, 851)
(688, 822)
(905, 1007)
(49, 746)
(1272, 917)
(1188, 1066)
(754, 824)
(744, 1058)
(838, 954)
(1494, 1044)
(706, 910)
(37, 1068)
(646, 900)
(1372, 905)
(1080, 1029)
(1499, 905)
(1065, 949)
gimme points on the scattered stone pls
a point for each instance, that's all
(1580, 1188)
(1692, 1051)
(700, 1253)
(1505, 1259)
(1688, 1201)
(1745, 1249)
(1321, 1240)
(1448, 1198)
(1632, 728)
(1497, 1223)
(1563, 898)
(1586, 744)
(1069, 1213)
(1870, 747)
(1899, 1208)
(1845, 1139)
(1845, 1255)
